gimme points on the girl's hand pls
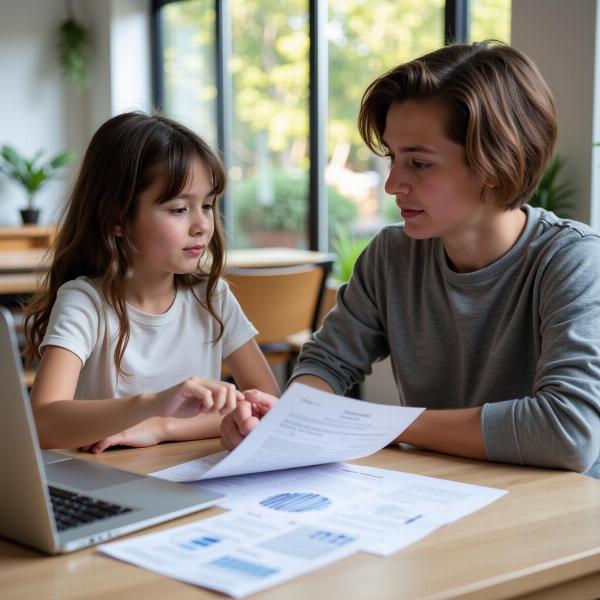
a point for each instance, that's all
(238, 424)
(147, 433)
(194, 396)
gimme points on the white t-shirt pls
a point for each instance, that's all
(163, 350)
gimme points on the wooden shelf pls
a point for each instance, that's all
(26, 236)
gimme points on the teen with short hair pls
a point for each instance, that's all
(489, 308)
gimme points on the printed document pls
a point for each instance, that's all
(387, 510)
(237, 554)
(294, 507)
(305, 427)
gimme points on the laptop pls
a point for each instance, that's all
(58, 504)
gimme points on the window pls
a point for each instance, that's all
(187, 59)
(266, 101)
(364, 43)
(490, 19)
(269, 164)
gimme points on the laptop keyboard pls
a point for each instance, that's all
(72, 510)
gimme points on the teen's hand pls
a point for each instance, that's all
(147, 433)
(238, 424)
(194, 396)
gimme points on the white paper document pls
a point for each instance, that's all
(237, 554)
(286, 523)
(387, 510)
(294, 507)
(305, 427)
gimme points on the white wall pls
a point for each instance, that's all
(39, 109)
(563, 39)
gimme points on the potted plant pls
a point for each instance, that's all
(32, 174)
(550, 193)
(347, 249)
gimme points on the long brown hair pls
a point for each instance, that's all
(124, 158)
(499, 108)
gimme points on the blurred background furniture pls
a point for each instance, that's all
(24, 259)
(284, 304)
(26, 237)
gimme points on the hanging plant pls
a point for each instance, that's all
(73, 49)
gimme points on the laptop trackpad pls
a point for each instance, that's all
(86, 476)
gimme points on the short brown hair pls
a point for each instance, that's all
(499, 108)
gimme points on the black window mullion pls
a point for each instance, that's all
(224, 99)
(456, 25)
(158, 80)
(318, 91)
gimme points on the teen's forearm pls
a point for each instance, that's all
(313, 381)
(449, 431)
(75, 423)
(194, 428)
(455, 432)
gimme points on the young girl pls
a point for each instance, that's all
(134, 308)
(488, 308)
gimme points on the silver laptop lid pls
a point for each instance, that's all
(25, 510)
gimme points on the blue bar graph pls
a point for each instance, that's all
(307, 542)
(296, 502)
(231, 563)
(198, 543)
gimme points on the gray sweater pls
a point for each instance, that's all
(520, 337)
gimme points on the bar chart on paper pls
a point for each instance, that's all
(296, 502)
(307, 542)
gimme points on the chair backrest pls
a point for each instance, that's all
(281, 301)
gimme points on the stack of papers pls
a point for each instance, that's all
(290, 513)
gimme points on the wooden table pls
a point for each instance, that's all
(541, 540)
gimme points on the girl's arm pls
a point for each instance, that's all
(249, 369)
(66, 423)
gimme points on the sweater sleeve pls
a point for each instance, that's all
(558, 426)
(353, 334)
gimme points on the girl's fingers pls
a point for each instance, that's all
(216, 396)
(101, 446)
(231, 400)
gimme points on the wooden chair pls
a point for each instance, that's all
(283, 304)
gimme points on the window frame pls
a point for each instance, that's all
(456, 29)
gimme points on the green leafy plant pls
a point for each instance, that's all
(73, 51)
(347, 249)
(288, 210)
(33, 173)
(551, 193)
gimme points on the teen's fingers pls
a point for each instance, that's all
(261, 402)
(230, 436)
(232, 433)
